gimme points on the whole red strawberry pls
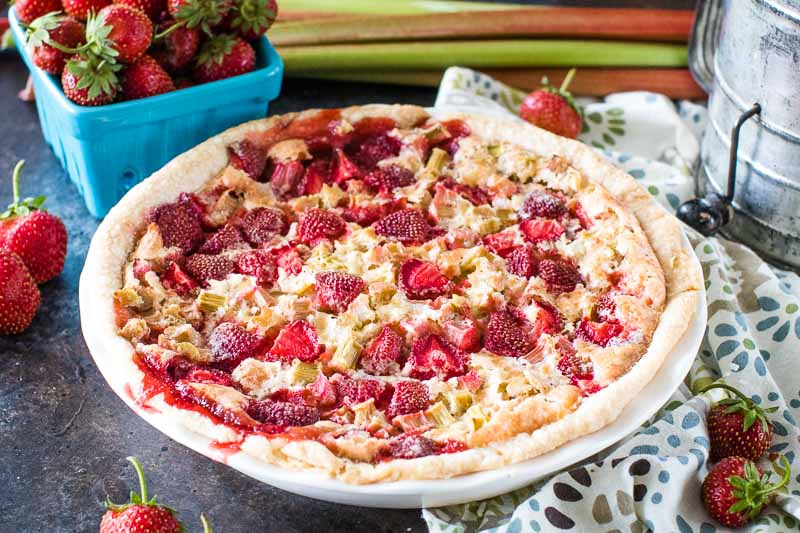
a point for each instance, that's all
(737, 426)
(29, 10)
(141, 514)
(224, 56)
(251, 18)
(145, 78)
(123, 32)
(81, 9)
(36, 236)
(19, 295)
(175, 50)
(553, 109)
(48, 36)
(90, 80)
(735, 490)
(151, 8)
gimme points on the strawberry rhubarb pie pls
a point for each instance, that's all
(377, 293)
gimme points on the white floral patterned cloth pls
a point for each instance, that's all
(651, 480)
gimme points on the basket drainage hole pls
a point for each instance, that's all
(128, 179)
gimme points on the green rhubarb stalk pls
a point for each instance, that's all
(583, 23)
(501, 53)
(393, 7)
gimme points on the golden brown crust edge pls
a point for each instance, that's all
(116, 236)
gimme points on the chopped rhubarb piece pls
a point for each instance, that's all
(409, 226)
(457, 129)
(502, 243)
(410, 396)
(323, 391)
(412, 446)
(262, 224)
(463, 333)
(258, 264)
(436, 161)
(282, 413)
(606, 309)
(209, 375)
(432, 356)
(600, 333)
(507, 333)
(248, 158)
(179, 281)
(335, 290)
(473, 193)
(421, 280)
(351, 391)
(541, 204)
(198, 393)
(472, 381)
(227, 238)
(317, 224)
(571, 366)
(179, 225)
(559, 276)
(288, 258)
(376, 148)
(317, 173)
(298, 340)
(195, 205)
(207, 267)
(209, 302)
(579, 212)
(383, 355)
(343, 169)
(541, 229)
(386, 179)
(287, 179)
(522, 261)
(231, 344)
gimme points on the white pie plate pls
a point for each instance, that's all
(426, 493)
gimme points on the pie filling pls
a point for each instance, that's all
(389, 292)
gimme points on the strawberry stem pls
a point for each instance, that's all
(139, 472)
(787, 474)
(728, 388)
(206, 524)
(15, 180)
(567, 80)
(179, 24)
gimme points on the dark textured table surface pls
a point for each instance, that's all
(64, 435)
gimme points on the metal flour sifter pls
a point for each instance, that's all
(746, 54)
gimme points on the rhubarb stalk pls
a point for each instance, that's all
(673, 82)
(500, 53)
(601, 23)
(393, 7)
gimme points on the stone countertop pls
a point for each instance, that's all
(64, 434)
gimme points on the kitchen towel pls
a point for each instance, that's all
(651, 480)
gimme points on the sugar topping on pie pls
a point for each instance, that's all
(388, 290)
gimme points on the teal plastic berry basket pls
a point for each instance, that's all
(106, 150)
